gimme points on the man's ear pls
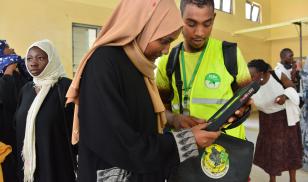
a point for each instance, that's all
(213, 19)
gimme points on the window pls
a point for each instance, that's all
(252, 11)
(223, 5)
(83, 38)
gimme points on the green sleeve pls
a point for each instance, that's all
(162, 81)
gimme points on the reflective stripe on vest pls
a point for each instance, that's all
(175, 107)
(201, 101)
(208, 101)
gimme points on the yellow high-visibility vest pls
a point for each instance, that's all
(212, 85)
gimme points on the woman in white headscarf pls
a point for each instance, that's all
(43, 124)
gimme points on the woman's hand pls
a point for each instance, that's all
(204, 138)
(10, 69)
(281, 99)
(240, 112)
(181, 121)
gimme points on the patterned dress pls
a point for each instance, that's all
(304, 115)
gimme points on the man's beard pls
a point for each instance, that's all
(287, 66)
(197, 49)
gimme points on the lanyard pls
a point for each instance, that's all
(188, 87)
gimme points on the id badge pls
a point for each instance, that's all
(185, 106)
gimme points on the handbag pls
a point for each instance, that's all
(228, 159)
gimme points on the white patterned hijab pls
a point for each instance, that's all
(45, 80)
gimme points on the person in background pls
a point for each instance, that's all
(120, 112)
(286, 62)
(288, 66)
(278, 146)
(43, 125)
(9, 57)
(13, 75)
(207, 84)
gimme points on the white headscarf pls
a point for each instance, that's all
(47, 78)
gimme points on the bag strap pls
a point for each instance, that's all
(272, 72)
(173, 65)
(229, 50)
(65, 121)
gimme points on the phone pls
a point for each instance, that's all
(233, 104)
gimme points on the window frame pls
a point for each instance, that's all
(80, 25)
(221, 6)
(252, 5)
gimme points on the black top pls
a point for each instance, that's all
(53, 159)
(118, 126)
(10, 86)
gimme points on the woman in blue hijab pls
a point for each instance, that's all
(9, 57)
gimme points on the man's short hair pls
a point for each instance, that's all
(284, 51)
(199, 3)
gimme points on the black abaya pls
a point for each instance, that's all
(118, 126)
(53, 156)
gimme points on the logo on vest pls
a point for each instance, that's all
(215, 161)
(212, 80)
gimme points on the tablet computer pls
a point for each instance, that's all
(233, 104)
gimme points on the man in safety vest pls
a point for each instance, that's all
(206, 80)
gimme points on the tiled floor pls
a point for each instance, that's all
(257, 174)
